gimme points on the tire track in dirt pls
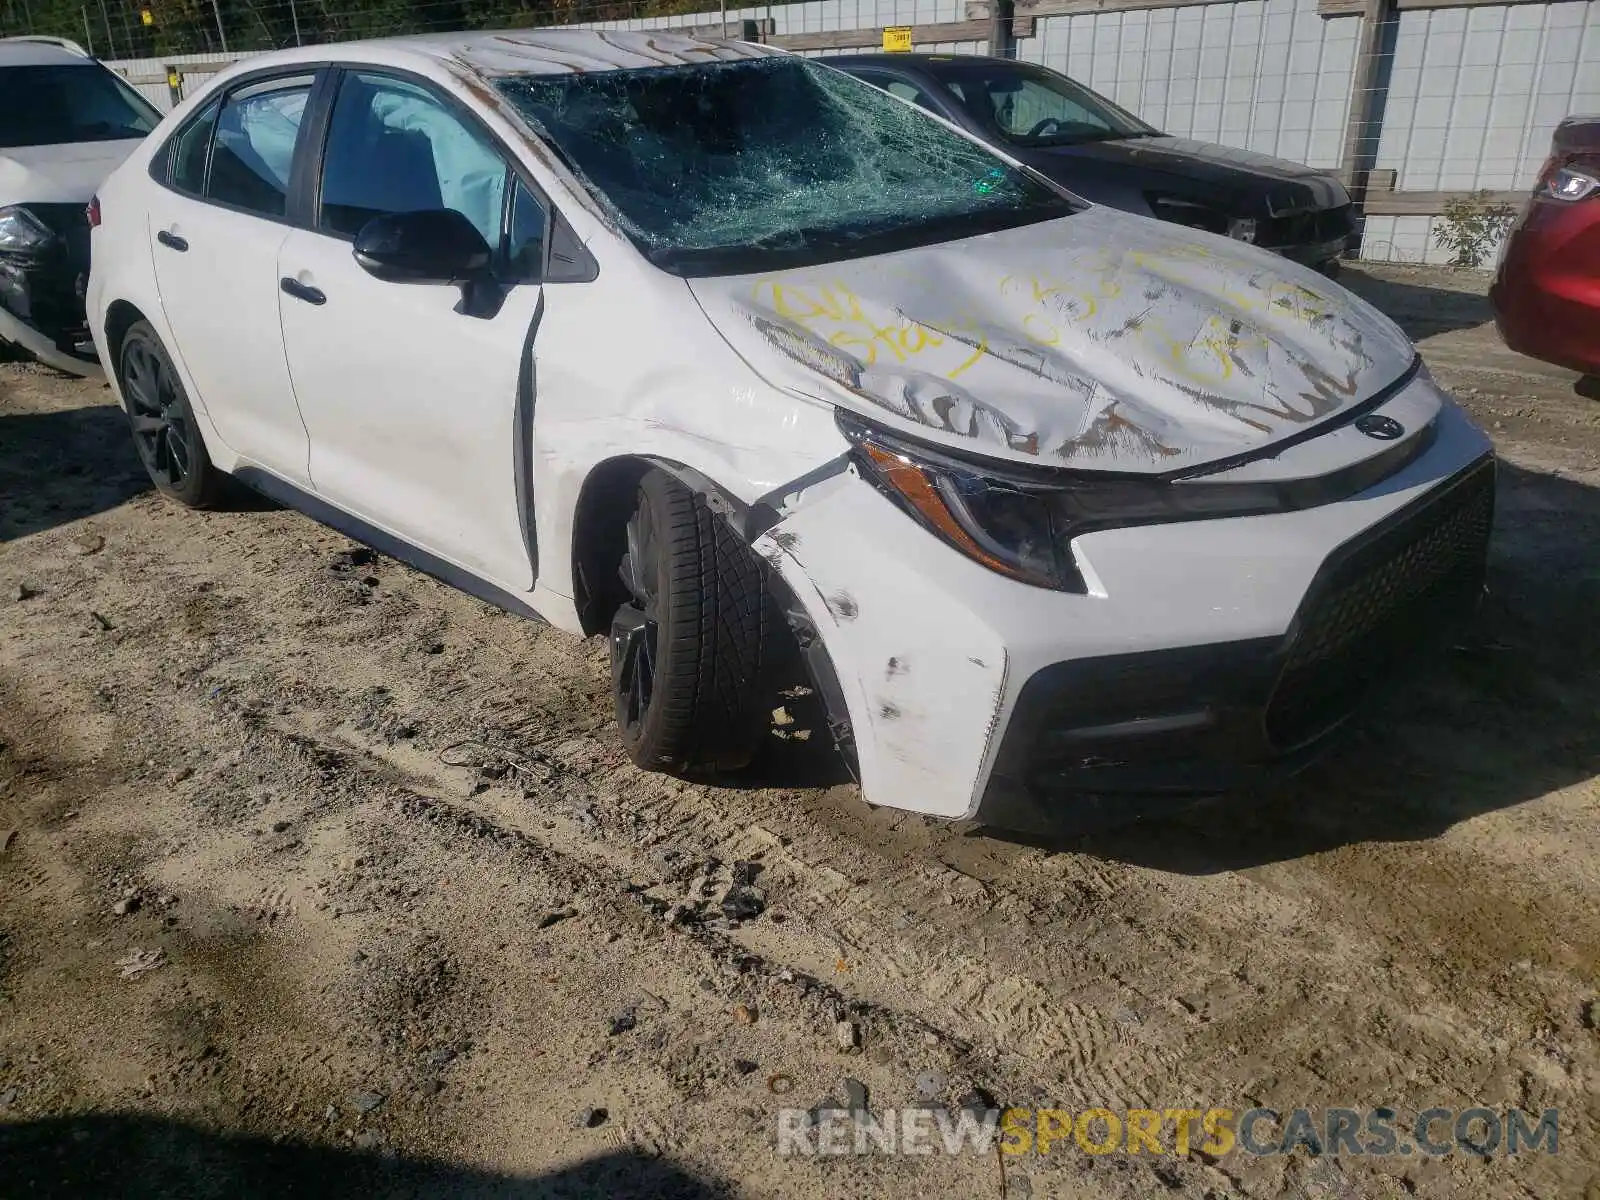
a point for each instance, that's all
(903, 923)
(1323, 950)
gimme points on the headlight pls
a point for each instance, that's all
(1022, 525)
(1564, 183)
(21, 231)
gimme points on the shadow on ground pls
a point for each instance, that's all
(1510, 714)
(1422, 311)
(136, 1157)
(59, 467)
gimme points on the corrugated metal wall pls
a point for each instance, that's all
(1267, 75)
(1407, 240)
(1474, 93)
(1471, 99)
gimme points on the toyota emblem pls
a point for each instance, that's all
(1385, 429)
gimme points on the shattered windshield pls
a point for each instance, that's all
(777, 161)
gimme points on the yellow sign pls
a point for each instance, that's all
(147, 16)
(174, 80)
(897, 39)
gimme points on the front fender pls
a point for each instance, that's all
(629, 368)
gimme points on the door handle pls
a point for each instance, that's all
(302, 291)
(173, 241)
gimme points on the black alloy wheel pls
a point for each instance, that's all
(163, 424)
(636, 627)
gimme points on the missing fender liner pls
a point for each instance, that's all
(819, 668)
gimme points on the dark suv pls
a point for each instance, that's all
(1109, 156)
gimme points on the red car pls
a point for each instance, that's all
(1546, 294)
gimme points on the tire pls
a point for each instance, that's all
(689, 648)
(162, 421)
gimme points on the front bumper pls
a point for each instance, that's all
(1311, 238)
(1148, 730)
(1206, 657)
(42, 295)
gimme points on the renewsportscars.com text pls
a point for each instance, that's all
(1380, 1132)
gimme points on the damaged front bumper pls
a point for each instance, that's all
(1205, 657)
(1311, 238)
(42, 294)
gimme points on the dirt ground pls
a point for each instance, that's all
(319, 878)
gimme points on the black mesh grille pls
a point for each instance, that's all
(1391, 595)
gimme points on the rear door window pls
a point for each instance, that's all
(254, 145)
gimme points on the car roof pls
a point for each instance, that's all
(42, 52)
(528, 51)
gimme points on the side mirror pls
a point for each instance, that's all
(436, 246)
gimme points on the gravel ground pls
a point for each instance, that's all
(317, 877)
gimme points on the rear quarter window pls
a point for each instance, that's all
(191, 151)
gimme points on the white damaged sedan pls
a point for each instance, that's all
(705, 346)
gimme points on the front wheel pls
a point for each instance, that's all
(689, 646)
(164, 429)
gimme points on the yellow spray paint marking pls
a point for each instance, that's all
(1208, 358)
(1072, 304)
(1297, 303)
(853, 330)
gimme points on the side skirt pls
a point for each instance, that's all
(323, 513)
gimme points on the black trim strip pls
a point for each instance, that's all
(1337, 421)
(522, 437)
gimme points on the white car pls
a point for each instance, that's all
(684, 341)
(65, 122)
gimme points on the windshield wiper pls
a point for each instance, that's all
(804, 238)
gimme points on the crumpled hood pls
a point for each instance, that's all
(1099, 341)
(59, 174)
